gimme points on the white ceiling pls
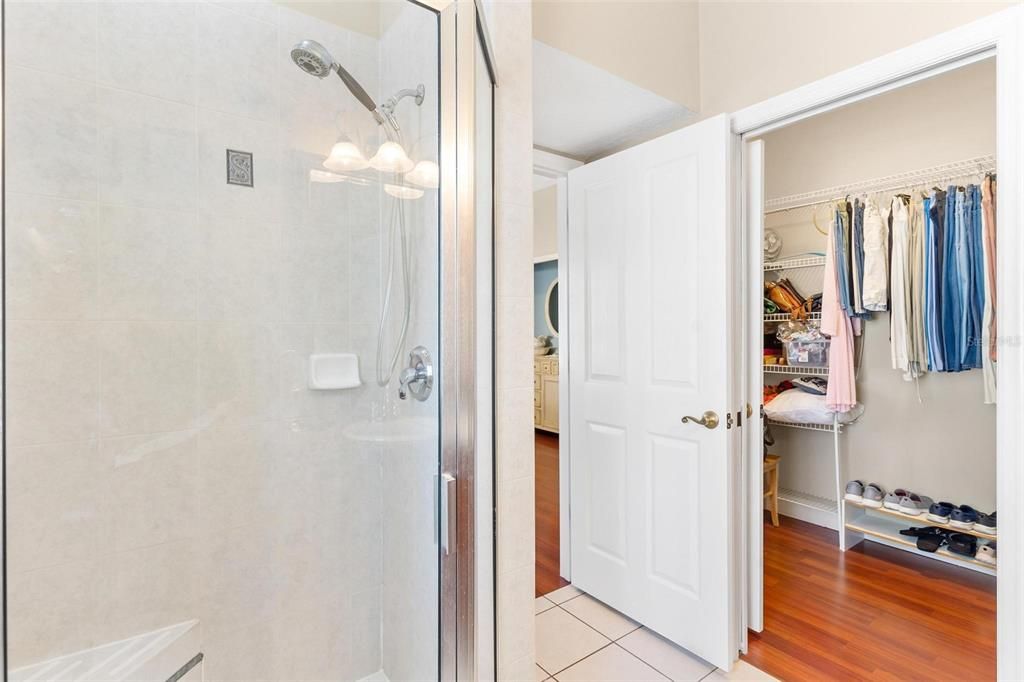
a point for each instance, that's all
(584, 112)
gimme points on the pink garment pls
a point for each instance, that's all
(842, 385)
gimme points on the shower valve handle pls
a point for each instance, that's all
(418, 377)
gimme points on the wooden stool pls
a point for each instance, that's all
(771, 488)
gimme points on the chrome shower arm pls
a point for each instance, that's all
(387, 108)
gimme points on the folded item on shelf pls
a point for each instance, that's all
(769, 392)
(815, 385)
(797, 406)
(799, 330)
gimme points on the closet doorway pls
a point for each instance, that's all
(878, 385)
(550, 371)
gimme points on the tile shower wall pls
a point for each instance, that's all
(166, 461)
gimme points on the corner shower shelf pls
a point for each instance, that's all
(886, 531)
(790, 369)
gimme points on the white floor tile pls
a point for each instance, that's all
(561, 640)
(542, 604)
(611, 664)
(667, 658)
(541, 674)
(563, 594)
(744, 672)
(599, 616)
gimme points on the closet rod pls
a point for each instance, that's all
(936, 175)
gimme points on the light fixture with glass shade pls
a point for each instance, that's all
(345, 156)
(425, 174)
(391, 158)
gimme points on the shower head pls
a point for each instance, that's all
(314, 59)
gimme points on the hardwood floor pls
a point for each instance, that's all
(546, 508)
(872, 613)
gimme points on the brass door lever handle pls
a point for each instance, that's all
(708, 420)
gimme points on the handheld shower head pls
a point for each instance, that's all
(314, 59)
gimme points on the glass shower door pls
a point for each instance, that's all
(222, 248)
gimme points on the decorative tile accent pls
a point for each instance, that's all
(239, 165)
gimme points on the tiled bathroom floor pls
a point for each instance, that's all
(579, 639)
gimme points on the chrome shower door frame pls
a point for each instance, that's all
(462, 28)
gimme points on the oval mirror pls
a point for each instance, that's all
(551, 308)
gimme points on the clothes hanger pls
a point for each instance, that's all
(814, 219)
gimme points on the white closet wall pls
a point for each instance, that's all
(943, 446)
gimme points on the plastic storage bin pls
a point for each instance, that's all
(807, 353)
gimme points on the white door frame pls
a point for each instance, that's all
(550, 165)
(1000, 35)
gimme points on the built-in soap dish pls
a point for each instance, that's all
(333, 371)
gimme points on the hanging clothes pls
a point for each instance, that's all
(916, 353)
(841, 395)
(951, 289)
(988, 312)
(977, 265)
(875, 289)
(899, 287)
(937, 213)
(857, 256)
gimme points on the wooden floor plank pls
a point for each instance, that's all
(546, 509)
(872, 613)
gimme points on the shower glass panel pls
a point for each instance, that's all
(221, 244)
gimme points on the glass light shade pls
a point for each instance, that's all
(403, 192)
(425, 174)
(391, 158)
(345, 156)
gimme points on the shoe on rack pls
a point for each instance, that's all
(939, 512)
(963, 544)
(915, 504)
(873, 494)
(929, 538)
(987, 554)
(986, 523)
(963, 517)
(855, 491)
(892, 500)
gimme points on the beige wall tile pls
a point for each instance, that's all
(154, 482)
(52, 381)
(148, 264)
(148, 377)
(51, 258)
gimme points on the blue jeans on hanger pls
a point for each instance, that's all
(951, 289)
(937, 208)
(929, 283)
(963, 273)
(977, 277)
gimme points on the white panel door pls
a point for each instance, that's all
(652, 505)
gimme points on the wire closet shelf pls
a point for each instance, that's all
(935, 175)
